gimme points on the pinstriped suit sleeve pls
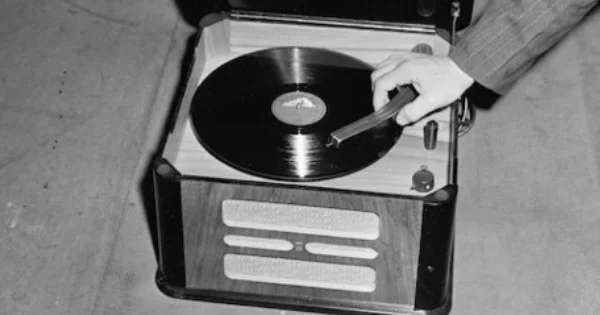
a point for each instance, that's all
(511, 35)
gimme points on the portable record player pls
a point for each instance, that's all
(253, 207)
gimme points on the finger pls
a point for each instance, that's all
(414, 111)
(386, 61)
(394, 58)
(390, 63)
(380, 98)
(375, 75)
(387, 82)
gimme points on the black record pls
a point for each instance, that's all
(270, 113)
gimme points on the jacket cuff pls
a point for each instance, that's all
(479, 94)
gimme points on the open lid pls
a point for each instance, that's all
(406, 15)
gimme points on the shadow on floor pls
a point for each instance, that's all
(146, 185)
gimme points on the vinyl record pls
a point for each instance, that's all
(270, 113)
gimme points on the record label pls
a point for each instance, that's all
(298, 108)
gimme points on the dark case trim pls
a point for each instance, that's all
(195, 11)
(272, 302)
(167, 192)
(434, 273)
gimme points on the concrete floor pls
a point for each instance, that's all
(84, 90)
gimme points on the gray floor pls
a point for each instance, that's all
(84, 90)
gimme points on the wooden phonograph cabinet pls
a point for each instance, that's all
(375, 238)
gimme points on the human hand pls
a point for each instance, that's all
(437, 79)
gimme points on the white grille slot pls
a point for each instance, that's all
(300, 219)
(258, 242)
(299, 273)
(341, 251)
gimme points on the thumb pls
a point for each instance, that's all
(414, 111)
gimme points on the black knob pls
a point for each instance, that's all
(430, 131)
(423, 48)
(423, 180)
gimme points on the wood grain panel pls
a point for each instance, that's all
(397, 245)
